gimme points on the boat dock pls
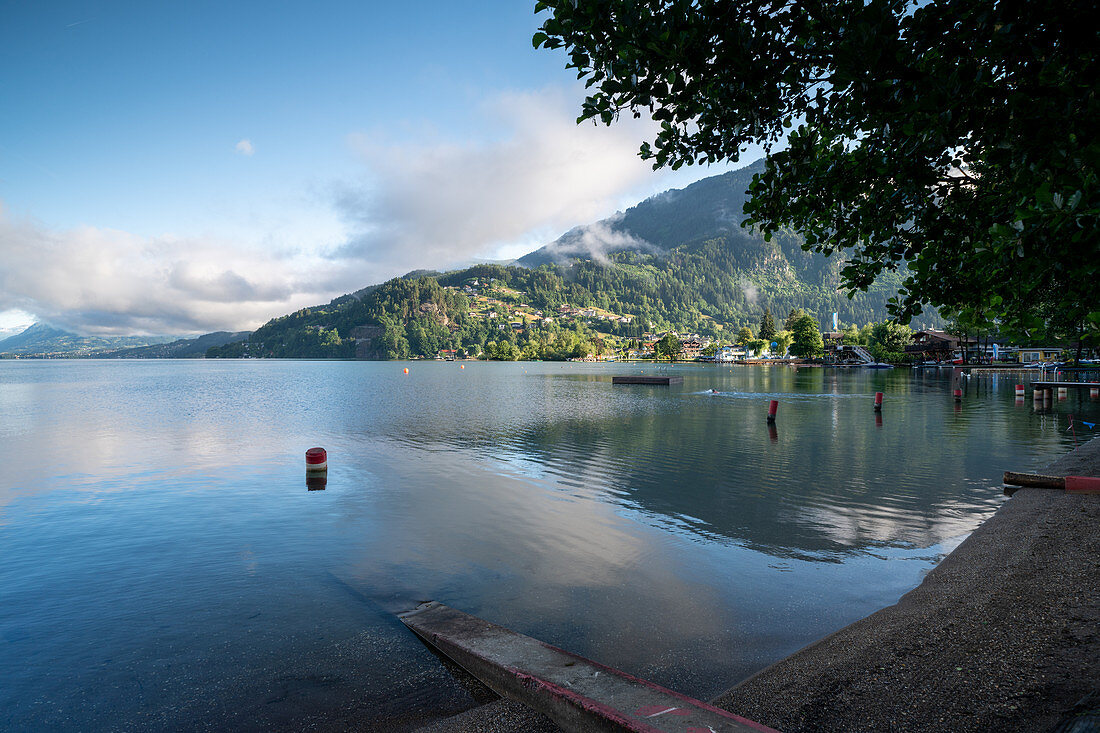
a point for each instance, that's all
(641, 379)
(576, 693)
(1065, 385)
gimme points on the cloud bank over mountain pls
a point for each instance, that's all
(424, 202)
(103, 281)
(439, 203)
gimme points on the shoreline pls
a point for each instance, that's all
(966, 650)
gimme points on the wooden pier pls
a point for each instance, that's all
(642, 379)
(576, 693)
(1065, 385)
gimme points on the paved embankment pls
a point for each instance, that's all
(1004, 634)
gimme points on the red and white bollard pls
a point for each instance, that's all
(1019, 390)
(316, 460)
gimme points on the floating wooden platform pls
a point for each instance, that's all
(641, 379)
(577, 693)
(1051, 385)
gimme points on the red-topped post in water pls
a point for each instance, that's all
(316, 460)
(878, 401)
(773, 407)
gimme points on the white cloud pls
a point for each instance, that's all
(752, 293)
(94, 280)
(437, 203)
(596, 241)
(14, 321)
(429, 204)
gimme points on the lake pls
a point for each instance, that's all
(163, 564)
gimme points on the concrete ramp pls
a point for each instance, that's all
(576, 693)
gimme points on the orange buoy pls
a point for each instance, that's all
(461, 366)
(406, 370)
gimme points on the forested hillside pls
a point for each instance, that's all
(679, 261)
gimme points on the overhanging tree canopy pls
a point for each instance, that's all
(958, 137)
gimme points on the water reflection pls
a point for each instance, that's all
(159, 548)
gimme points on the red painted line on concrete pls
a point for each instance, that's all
(584, 703)
(541, 676)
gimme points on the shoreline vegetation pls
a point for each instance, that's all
(531, 315)
(1000, 635)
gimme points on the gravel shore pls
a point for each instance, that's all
(1004, 635)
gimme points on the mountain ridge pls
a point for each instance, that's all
(42, 339)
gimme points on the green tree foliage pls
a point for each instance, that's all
(783, 341)
(891, 337)
(757, 346)
(793, 318)
(502, 350)
(958, 138)
(744, 335)
(767, 326)
(669, 346)
(807, 338)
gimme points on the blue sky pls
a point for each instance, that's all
(180, 168)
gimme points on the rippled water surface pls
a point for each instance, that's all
(163, 564)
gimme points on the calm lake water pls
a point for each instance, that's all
(163, 565)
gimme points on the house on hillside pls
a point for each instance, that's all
(692, 348)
